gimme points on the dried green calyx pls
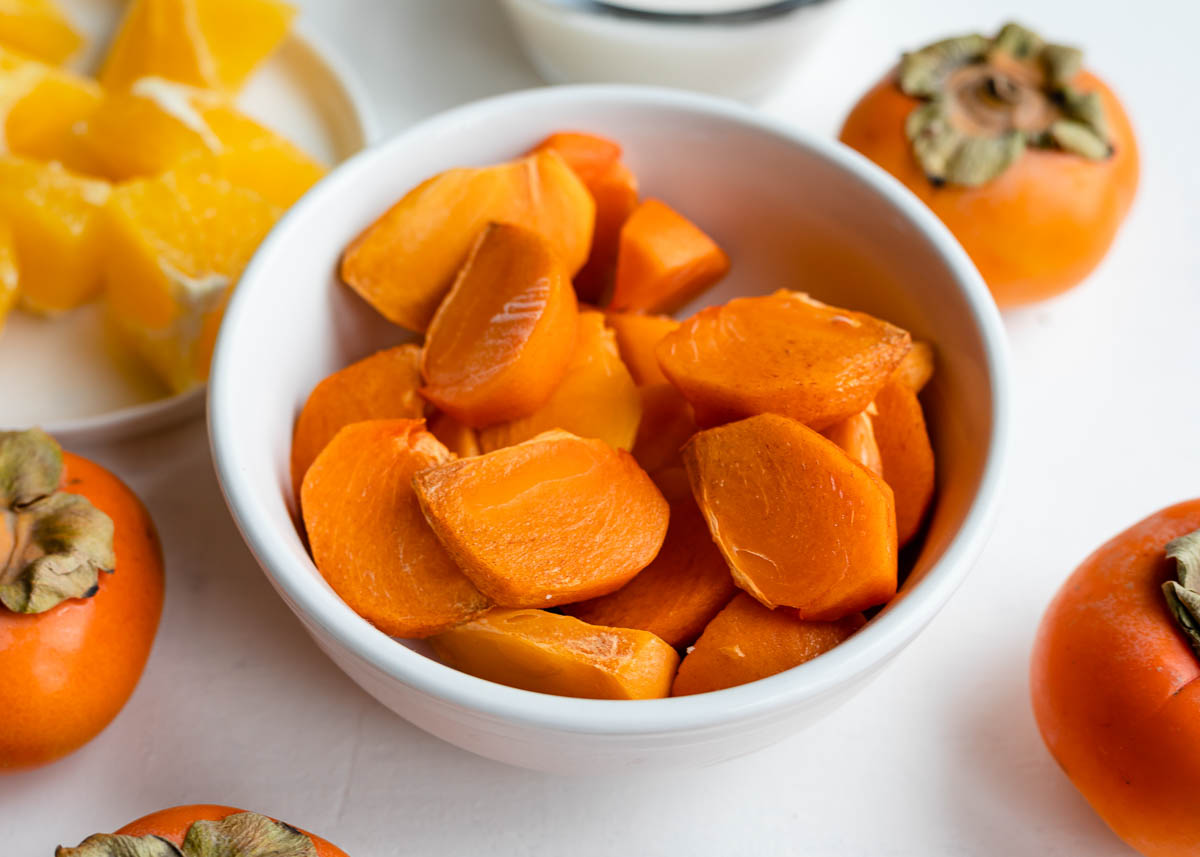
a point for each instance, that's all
(1183, 593)
(53, 545)
(244, 834)
(984, 101)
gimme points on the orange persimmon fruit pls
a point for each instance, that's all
(783, 353)
(663, 260)
(500, 342)
(596, 397)
(637, 337)
(543, 652)
(90, 629)
(1034, 183)
(678, 593)
(589, 155)
(232, 831)
(746, 642)
(369, 539)
(1115, 680)
(916, 368)
(382, 386)
(829, 549)
(406, 262)
(555, 519)
(906, 455)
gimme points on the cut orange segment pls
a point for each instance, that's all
(549, 521)
(176, 245)
(831, 547)
(539, 651)
(54, 216)
(596, 397)
(8, 271)
(405, 262)
(458, 438)
(856, 436)
(38, 28)
(159, 125)
(212, 44)
(906, 455)
(42, 108)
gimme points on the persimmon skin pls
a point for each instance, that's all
(1115, 693)
(1040, 227)
(172, 824)
(69, 671)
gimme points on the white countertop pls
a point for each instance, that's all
(939, 756)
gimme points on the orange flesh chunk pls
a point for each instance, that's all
(501, 341)
(856, 436)
(382, 386)
(800, 524)
(667, 424)
(539, 651)
(637, 337)
(596, 398)
(549, 521)
(685, 586)
(458, 438)
(8, 272)
(664, 260)
(406, 261)
(746, 642)
(589, 155)
(783, 353)
(38, 28)
(906, 455)
(369, 539)
(916, 368)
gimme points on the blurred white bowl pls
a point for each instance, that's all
(792, 210)
(742, 54)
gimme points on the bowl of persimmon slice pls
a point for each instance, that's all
(594, 428)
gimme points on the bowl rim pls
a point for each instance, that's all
(319, 608)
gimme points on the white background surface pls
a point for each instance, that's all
(939, 756)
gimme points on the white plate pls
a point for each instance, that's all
(69, 374)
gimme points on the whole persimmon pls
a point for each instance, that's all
(1028, 159)
(1114, 682)
(204, 830)
(81, 592)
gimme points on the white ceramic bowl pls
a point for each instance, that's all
(792, 211)
(742, 53)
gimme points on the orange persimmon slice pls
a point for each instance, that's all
(500, 342)
(916, 368)
(406, 261)
(906, 455)
(637, 337)
(800, 524)
(543, 652)
(856, 436)
(596, 398)
(369, 539)
(589, 155)
(664, 260)
(460, 439)
(746, 642)
(382, 386)
(667, 424)
(685, 586)
(614, 189)
(783, 353)
(549, 521)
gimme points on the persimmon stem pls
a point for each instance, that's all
(1183, 593)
